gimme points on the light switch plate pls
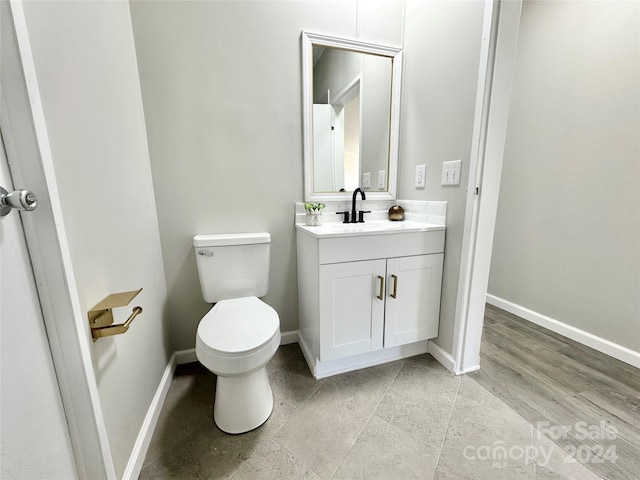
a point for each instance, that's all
(451, 172)
(382, 179)
(421, 173)
(366, 180)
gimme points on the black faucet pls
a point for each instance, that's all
(353, 206)
(353, 209)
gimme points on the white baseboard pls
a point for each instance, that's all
(328, 368)
(306, 352)
(289, 337)
(136, 460)
(443, 357)
(600, 344)
(186, 356)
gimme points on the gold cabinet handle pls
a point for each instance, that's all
(381, 294)
(395, 286)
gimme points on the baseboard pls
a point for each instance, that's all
(136, 460)
(308, 356)
(600, 344)
(186, 356)
(289, 337)
(443, 357)
(328, 368)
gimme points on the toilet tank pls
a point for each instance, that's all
(233, 265)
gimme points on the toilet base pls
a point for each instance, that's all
(242, 402)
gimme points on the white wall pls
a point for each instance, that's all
(221, 84)
(442, 54)
(567, 239)
(224, 123)
(333, 71)
(86, 66)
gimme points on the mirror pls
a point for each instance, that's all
(351, 95)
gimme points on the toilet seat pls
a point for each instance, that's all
(238, 326)
(237, 336)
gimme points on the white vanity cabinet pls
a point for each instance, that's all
(367, 299)
(351, 314)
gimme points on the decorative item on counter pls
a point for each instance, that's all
(314, 210)
(396, 213)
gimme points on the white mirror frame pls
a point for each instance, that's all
(309, 40)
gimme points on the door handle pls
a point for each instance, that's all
(395, 286)
(380, 296)
(24, 200)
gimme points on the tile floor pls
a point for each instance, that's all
(409, 419)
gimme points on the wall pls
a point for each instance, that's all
(442, 53)
(224, 124)
(86, 68)
(221, 85)
(375, 101)
(568, 231)
(334, 70)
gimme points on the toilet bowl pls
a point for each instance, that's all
(240, 334)
(235, 340)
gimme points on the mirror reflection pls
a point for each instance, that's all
(351, 106)
(351, 120)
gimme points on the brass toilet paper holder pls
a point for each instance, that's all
(101, 316)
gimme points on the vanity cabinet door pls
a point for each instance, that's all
(413, 314)
(351, 312)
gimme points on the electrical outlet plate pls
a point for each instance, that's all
(366, 180)
(421, 173)
(451, 172)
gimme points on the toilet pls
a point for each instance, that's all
(240, 334)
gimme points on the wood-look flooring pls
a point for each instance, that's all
(555, 382)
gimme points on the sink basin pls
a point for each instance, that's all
(373, 227)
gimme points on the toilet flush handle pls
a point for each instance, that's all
(206, 253)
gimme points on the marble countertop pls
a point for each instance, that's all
(372, 227)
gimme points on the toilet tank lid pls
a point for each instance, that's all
(227, 239)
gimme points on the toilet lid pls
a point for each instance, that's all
(238, 325)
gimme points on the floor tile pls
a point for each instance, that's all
(210, 453)
(272, 462)
(543, 473)
(189, 405)
(385, 452)
(476, 393)
(321, 433)
(285, 355)
(553, 460)
(291, 379)
(485, 443)
(420, 400)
